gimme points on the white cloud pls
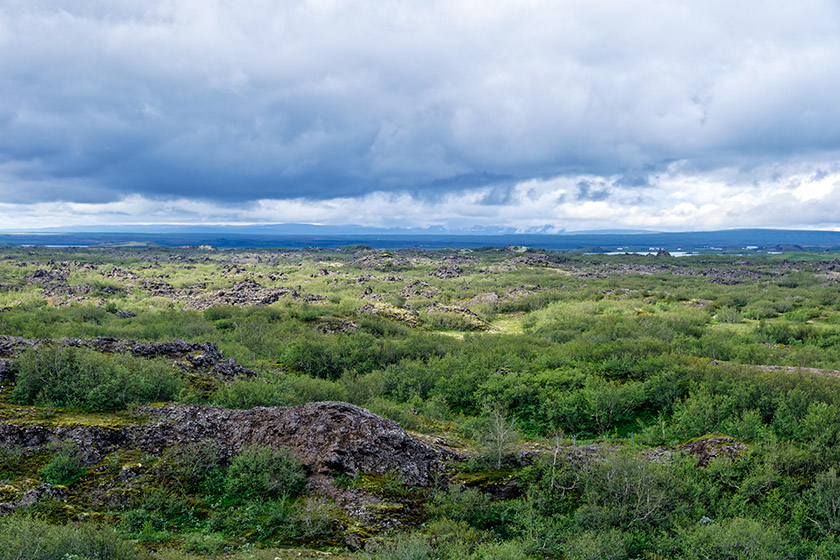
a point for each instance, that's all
(309, 108)
(674, 202)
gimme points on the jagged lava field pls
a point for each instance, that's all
(491, 403)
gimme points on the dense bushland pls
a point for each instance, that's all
(83, 379)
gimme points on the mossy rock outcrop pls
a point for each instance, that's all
(329, 437)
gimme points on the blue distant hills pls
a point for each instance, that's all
(304, 235)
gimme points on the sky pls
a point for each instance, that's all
(549, 116)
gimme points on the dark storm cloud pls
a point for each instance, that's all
(238, 101)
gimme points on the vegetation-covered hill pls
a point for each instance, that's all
(560, 405)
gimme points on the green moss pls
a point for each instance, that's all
(35, 415)
(360, 531)
(485, 479)
(386, 510)
(55, 511)
(714, 435)
(8, 493)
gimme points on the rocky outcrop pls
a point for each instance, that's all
(708, 447)
(33, 496)
(418, 288)
(245, 292)
(43, 276)
(467, 314)
(329, 437)
(92, 442)
(195, 356)
(375, 260)
(447, 271)
(486, 299)
(408, 317)
(539, 259)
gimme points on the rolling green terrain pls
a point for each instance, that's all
(582, 406)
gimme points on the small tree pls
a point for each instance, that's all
(501, 435)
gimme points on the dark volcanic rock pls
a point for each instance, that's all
(377, 260)
(245, 292)
(725, 281)
(447, 271)
(707, 448)
(41, 276)
(33, 496)
(200, 356)
(93, 442)
(40, 492)
(419, 288)
(329, 437)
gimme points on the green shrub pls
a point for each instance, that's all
(510, 550)
(802, 315)
(626, 490)
(590, 545)
(88, 380)
(401, 414)
(219, 312)
(761, 310)
(258, 520)
(406, 546)
(454, 539)
(11, 458)
(196, 467)
(207, 543)
(248, 393)
(736, 539)
(728, 314)
(442, 539)
(783, 333)
(314, 518)
(460, 504)
(285, 390)
(261, 472)
(611, 402)
(65, 467)
(26, 537)
(157, 511)
(824, 501)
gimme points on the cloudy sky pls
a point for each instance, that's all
(556, 115)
